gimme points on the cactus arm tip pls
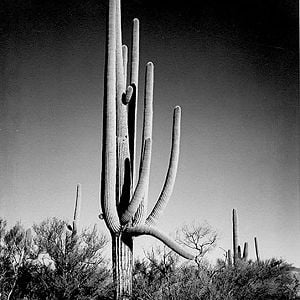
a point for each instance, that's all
(171, 173)
(128, 94)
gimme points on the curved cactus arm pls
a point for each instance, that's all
(148, 230)
(172, 170)
(141, 186)
(125, 61)
(132, 109)
(108, 178)
(147, 133)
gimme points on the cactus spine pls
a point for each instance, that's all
(124, 193)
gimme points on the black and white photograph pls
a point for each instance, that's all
(149, 150)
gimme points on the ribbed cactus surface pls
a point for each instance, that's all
(124, 191)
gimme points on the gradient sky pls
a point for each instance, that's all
(233, 68)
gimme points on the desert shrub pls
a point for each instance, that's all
(57, 265)
(270, 279)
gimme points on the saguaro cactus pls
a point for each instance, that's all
(234, 236)
(245, 252)
(124, 201)
(77, 206)
(256, 249)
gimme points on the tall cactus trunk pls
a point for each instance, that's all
(122, 259)
(124, 192)
(234, 236)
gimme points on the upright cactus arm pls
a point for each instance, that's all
(141, 186)
(108, 178)
(172, 170)
(239, 252)
(125, 61)
(147, 133)
(148, 105)
(132, 109)
(147, 230)
(123, 181)
(245, 251)
(76, 209)
(122, 128)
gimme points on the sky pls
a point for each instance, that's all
(232, 67)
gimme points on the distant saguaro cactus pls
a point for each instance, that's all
(124, 201)
(245, 252)
(237, 249)
(74, 227)
(234, 236)
(256, 249)
(239, 252)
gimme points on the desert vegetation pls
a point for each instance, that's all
(48, 264)
(55, 259)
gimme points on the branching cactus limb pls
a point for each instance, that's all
(124, 201)
(132, 108)
(155, 232)
(141, 186)
(172, 170)
(141, 213)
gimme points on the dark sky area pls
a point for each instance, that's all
(231, 65)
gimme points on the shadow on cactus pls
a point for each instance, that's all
(124, 192)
